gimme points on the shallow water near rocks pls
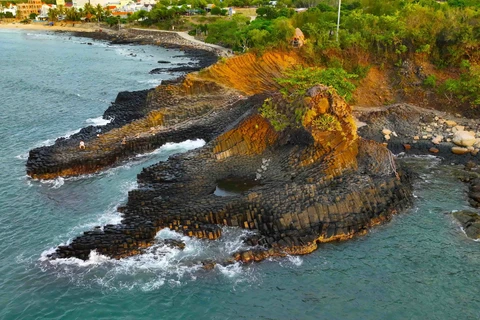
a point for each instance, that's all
(418, 266)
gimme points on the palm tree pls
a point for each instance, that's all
(100, 13)
(53, 14)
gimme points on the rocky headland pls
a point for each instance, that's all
(295, 188)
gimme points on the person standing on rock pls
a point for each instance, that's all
(82, 145)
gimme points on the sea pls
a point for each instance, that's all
(420, 265)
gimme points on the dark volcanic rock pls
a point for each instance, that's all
(305, 192)
(185, 69)
(470, 222)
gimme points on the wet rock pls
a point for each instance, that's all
(470, 222)
(172, 243)
(208, 264)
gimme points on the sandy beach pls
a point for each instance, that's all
(59, 26)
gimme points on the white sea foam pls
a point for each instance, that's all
(49, 142)
(23, 156)
(160, 264)
(295, 260)
(98, 121)
(54, 183)
(231, 270)
(170, 147)
(155, 82)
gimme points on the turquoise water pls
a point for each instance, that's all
(418, 266)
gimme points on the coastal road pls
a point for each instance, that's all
(225, 52)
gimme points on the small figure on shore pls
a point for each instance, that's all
(82, 145)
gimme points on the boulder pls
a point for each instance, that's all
(470, 222)
(386, 132)
(464, 138)
(460, 150)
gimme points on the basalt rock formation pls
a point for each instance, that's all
(306, 184)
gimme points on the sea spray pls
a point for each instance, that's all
(158, 265)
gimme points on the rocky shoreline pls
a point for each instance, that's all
(411, 130)
(306, 185)
(127, 107)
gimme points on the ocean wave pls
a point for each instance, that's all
(23, 156)
(172, 147)
(155, 82)
(158, 265)
(98, 121)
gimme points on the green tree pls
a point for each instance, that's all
(32, 16)
(53, 14)
(216, 11)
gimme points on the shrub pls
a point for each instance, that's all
(277, 119)
(327, 122)
(430, 81)
(216, 11)
(298, 80)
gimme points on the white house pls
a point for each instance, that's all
(11, 8)
(44, 11)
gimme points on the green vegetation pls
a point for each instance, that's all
(327, 122)
(277, 119)
(372, 32)
(295, 82)
(466, 88)
(89, 12)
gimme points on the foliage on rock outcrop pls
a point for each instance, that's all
(295, 82)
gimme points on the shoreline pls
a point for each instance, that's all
(44, 27)
(163, 38)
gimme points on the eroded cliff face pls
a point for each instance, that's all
(248, 73)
